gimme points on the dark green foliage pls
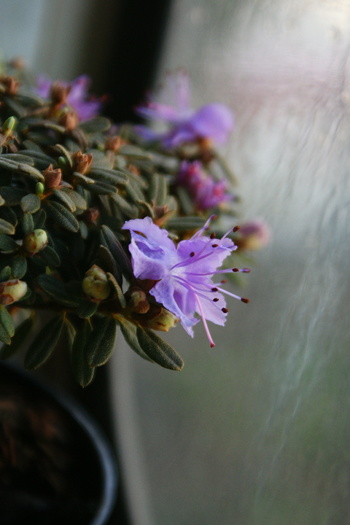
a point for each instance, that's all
(44, 343)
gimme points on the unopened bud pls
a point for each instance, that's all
(39, 189)
(95, 284)
(9, 125)
(161, 320)
(35, 241)
(12, 291)
(137, 300)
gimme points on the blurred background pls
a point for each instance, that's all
(255, 431)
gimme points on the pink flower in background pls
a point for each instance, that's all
(85, 105)
(206, 192)
(213, 122)
(183, 273)
(253, 235)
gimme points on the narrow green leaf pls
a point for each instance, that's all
(118, 292)
(104, 175)
(17, 340)
(39, 219)
(83, 373)
(185, 223)
(117, 251)
(7, 227)
(86, 309)
(62, 216)
(30, 203)
(7, 244)
(27, 223)
(62, 196)
(57, 291)
(50, 257)
(44, 343)
(158, 350)
(95, 125)
(12, 196)
(18, 267)
(129, 332)
(100, 345)
(5, 273)
(7, 327)
(74, 196)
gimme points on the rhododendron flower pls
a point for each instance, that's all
(78, 97)
(213, 122)
(206, 192)
(183, 273)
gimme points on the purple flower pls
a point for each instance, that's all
(78, 98)
(183, 273)
(211, 122)
(206, 192)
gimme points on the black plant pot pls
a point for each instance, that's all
(55, 464)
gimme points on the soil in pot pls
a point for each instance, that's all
(50, 472)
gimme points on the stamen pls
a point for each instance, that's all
(225, 310)
(216, 299)
(192, 254)
(213, 235)
(214, 245)
(206, 328)
(236, 228)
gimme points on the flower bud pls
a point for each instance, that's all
(9, 125)
(12, 291)
(161, 320)
(81, 162)
(137, 301)
(95, 284)
(253, 236)
(39, 189)
(35, 241)
(53, 177)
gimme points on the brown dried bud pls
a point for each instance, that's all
(114, 143)
(69, 120)
(11, 291)
(81, 162)
(59, 93)
(91, 215)
(133, 169)
(53, 177)
(10, 85)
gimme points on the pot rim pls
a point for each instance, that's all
(94, 433)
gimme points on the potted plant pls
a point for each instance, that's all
(105, 227)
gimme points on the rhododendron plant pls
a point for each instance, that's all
(105, 226)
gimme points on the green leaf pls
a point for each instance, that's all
(83, 373)
(30, 203)
(117, 251)
(118, 292)
(44, 343)
(27, 223)
(62, 196)
(134, 152)
(86, 309)
(18, 267)
(7, 244)
(74, 196)
(5, 273)
(100, 345)
(7, 327)
(39, 219)
(62, 216)
(185, 223)
(158, 350)
(95, 125)
(129, 332)
(21, 168)
(50, 257)
(17, 340)
(7, 227)
(57, 291)
(104, 175)
(12, 196)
